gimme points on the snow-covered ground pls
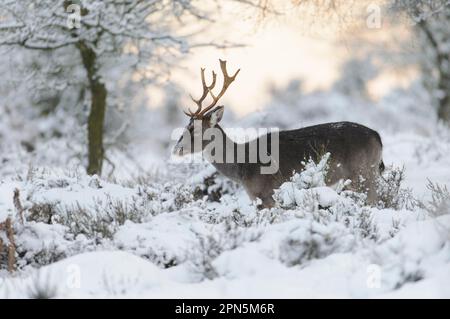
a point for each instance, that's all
(183, 231)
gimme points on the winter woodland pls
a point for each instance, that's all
(94, 204)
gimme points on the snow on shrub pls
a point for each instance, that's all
(331, 220)
(165, 223)
(209, 184)
(213, 242)
(390, 192)
(68, 213)
(439, 204)
(168, 223)
(292, 193)
(307, 194)
(313, 240)
(434, 149)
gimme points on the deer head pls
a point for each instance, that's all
(203, 117)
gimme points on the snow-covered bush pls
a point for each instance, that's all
(391, 193)
(295, 192)
(436, 148)
(307, 194)
(331, 220)
(439, 204)
(313, 241)
(67, 213)
(211, 185)
(226, 236)
(161, 222)
(41, 287)
(202, 226)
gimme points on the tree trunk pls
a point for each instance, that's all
(442, 62)
(97, 113)
(444, 91)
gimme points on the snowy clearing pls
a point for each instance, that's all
(86, 237)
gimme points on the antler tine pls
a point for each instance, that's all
(227, 80)
(206, 89)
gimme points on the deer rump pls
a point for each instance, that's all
(356, 154)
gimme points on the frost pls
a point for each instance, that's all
(153, 227)
(313, 175)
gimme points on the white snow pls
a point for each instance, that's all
(297, 251)
(168, 233)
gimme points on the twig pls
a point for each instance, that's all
(18, 205)
(11, 246)
(7, 227)
(113, 167)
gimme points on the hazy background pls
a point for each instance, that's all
(293, 44)
(380, 63)
(91, 101)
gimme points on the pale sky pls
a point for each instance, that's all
(277, 51)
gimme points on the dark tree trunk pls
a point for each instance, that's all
(444, 89)
(97, 113)
(442, 62)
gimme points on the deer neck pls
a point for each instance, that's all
(229, 168)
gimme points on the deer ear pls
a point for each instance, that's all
(215, 115)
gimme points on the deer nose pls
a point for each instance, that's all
(178, 150)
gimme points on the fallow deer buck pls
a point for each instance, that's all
(356, 151)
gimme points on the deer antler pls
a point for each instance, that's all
(206, 89)
(227, 80)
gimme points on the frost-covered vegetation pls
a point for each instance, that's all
(182, 230)
(175, 239)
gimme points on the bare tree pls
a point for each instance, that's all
(431, 19)
(126, 35)
(430, 23)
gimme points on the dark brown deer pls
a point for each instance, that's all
(356, 151)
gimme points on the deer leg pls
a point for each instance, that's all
(267, 202)
(368, 185)
(372, 195)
